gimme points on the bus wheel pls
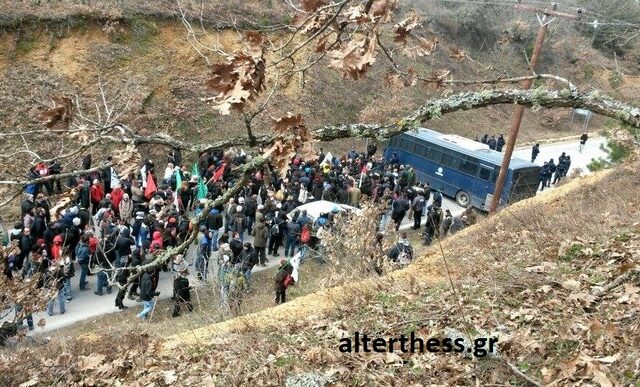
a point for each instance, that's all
(462, 198)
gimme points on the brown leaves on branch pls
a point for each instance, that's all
(424, 47)
(403, 29)
(241, 78)
(437, 78)
(292, 138)
(354, 58)
(60, 115)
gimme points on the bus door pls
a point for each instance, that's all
(482, 185)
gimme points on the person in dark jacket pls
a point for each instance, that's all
(552, 169)
(446, 223)
(260, 234)
(123, 245)
(182, 292)
(83, 257)
(280, 287)
(122, 276)
(214, 223)
(583, 140)
(433, 223)
(26, 205)
(136, 260)
(147, 294)
(500, 143)
(293, 237)
(248, 259)
(236, 248)
(535, 151)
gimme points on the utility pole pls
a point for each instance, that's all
(517, 117)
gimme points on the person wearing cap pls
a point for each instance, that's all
(239, 222)
(182, 292)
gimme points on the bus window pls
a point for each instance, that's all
(449, 160)
(468, 166)
(484, 173)
(494, 175)
(435, 155)
(421, 150)
(404, 144)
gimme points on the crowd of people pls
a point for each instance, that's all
(117, 226)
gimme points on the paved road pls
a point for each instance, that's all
(87, 305)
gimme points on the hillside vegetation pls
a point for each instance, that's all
(553, 277)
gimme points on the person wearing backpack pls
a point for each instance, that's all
(283, 280)
(275, 237)
(418, 208)
(401, 252)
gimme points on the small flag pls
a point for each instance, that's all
(194, 170)
(217, 175)
(202, 189)
(151, 187)
(178, 179)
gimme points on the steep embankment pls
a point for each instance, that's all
(554, 278)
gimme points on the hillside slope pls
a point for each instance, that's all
(554, 278)
(139, 53)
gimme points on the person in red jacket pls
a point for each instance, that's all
(156, 242)
(56, 249)
(97, 194)
(116, 197)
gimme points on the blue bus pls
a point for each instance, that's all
(462, 168)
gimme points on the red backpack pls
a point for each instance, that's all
(305, 235)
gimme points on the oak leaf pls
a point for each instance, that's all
(403, 29)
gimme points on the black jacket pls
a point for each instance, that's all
(214, 221)
(146, 287)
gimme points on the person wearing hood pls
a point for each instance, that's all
(125, 208)
(117, 193)
(26, 205)
(56, 249)
(402, 251)
(156, 242)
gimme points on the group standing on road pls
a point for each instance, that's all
(116, 227)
